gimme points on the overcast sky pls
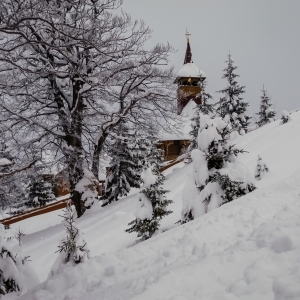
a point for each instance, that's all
(263, 37)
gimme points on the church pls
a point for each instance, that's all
(189, 80)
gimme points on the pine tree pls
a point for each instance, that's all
(232, 107)
(39, 192)
(125, 168)
(266, 113)
(261, 169)
(213, 183)
(204, 108)
(73, 248)
(152, 200)
(11, 188)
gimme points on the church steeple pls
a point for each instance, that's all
(189, 80)
(188, 53)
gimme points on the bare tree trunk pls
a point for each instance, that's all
(96, 154)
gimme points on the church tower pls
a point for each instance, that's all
(188, 80)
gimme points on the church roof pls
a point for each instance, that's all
(185, 121)
(188, 53)
(191, 70)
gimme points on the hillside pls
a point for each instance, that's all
(247, 249)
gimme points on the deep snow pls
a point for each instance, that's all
(246, 249)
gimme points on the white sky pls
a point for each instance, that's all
(263, 37)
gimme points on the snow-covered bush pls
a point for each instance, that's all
(73, 249)
(285, 117)
(152, 203)
(232, 107)
(218, 176)
(266, 113)
(261, 168)
(16, 274)
(88, 188)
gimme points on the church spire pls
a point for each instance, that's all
(188, 53)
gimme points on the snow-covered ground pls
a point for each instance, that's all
(247, 249)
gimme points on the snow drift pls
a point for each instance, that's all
(246, 249)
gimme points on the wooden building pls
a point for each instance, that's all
(188, 82)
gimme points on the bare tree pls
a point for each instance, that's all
(71, 72)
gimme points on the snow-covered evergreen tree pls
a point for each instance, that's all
(11, 188)
(261, 168)
(16, 274)
(232, 107)
(125, 168)
(39, 192)
(218, 177)
(73, 248)
(285, 117)
(205, 108)
(266, 113)
(152, 202)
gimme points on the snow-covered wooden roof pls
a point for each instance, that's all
(190, 70)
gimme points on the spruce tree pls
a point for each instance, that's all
(39, 192)
(152, 200)
(218, 177)
(125, 168)
(11, 188)
(232, 107)
(73, 248)
(266, 113)
(205, 107)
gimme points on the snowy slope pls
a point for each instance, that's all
(247, 249)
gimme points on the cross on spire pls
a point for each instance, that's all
(188, 53)
(187, 34)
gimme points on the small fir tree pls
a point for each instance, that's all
(73, 248)
(125, 168)
(261, 169)
(232, 107)
(39, 192)
(266, 113)
(152, 205)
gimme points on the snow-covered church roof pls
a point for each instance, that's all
(185, 125)
(191, 70)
